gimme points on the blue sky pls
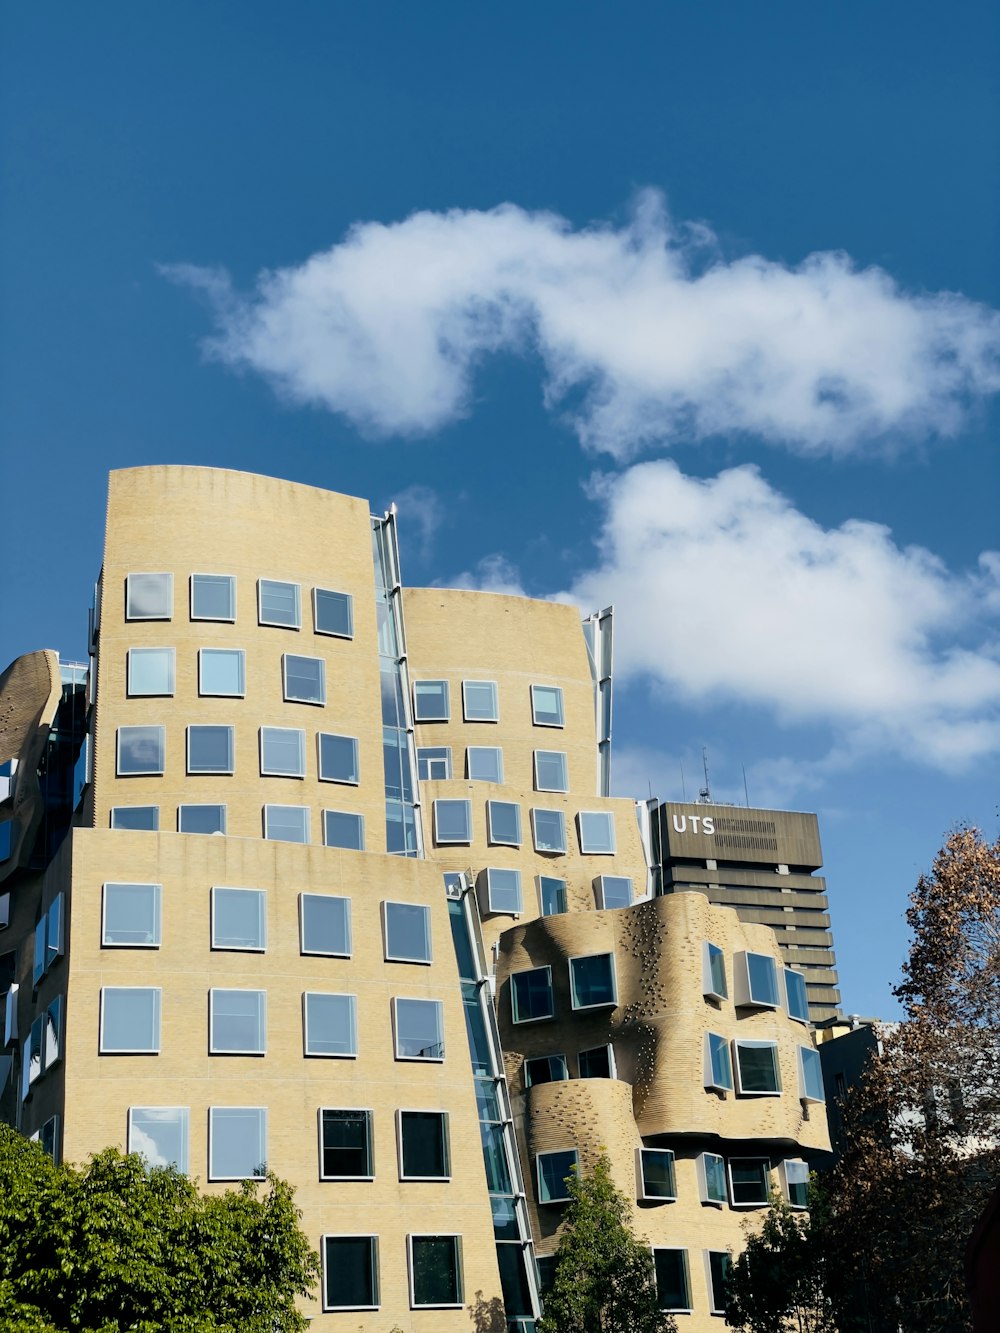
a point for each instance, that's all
(547, 276)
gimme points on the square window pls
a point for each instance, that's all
(201, 819)
(407, 932)
(338, 758)
(592, 981)
(278, 604)
(503, 891)
(150, 671)
(333, 613)
(810, 1075)
(484, 763)
(222, 673)
(548, 830)
(149, 596)
(305, 679)
(213, 597)
(419, 1027)
(712, 1178)
(673, 1290)
(286, 823)
(131, 917)
(597, 832)
(423, 1145)
(717, 1265)
(331, 1027)
(503, 822)
(796, 996)
(237, 1142)
(345, 1145)
(210, 749)
(435, 1271)
(130, 1020)
(159, 1134)
(479, 701)
(546, 705)
(749, 1181)
(756, 980)
(757, 1072)
(145, 818)
(552, 1172)
(598, 1062)
(237, 1022)
(342, 829)
(350, 1273)
(452, 821)
(656, 1174)
(794, 1178)
(430, 701)
(531, 995)
(613, 891)
(434, 763)
(718, 1064)
(282, 752)
(552, 895)
(713, 972)
(545, 1069)
(326, 925)
(141, 751)
(551, 772)
(239, 919)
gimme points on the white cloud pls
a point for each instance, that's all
(494, 573)
(779, 782)
(421, 515)
(646, 329)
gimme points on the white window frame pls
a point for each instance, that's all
(261, 1048)
(303, 810)
(599, 892)
(202, 805)
(401, 958)
(708, 986)
(534, 1018)
(484, 749)
(125, 828)
(490, 904)
(531, 1083)
(494, 688)
(714, 1306)
(157, 1015)
(156, 574)
(755, 1203)
(444, 757)
(269, 770)
(261, 895)
(240, 692)
(141, 772)
(157, 914)
(603, 1004)
(423, 1110)
(562, 707)
(419, 999)
(755, 1044)
(369, 1113)
(787, 972)
(701, 1163)
(279, 624)
(558, 879)
(286, 694)
(709, 1071)
(612, 1063)
(788, 1169)
(262, 1121)
(452, 842)
(324, 953)
(220, 620)
(184, 1122)
(811, 1055)
(599, 814)
(230, 768)
(553, 1152)
(744, 997)
(325, 777)
(565, 768)
(675, 1249)
(641, 1194)
(491, 836)
(440, 716)
(333, 633)
(353, 814)
(376, 1283)
(330, 1055)
(459, 1275)
(171, 665)
(535, 842)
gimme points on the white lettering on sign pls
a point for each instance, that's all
(707, 823)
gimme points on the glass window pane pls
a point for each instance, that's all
(545, 1069)
(213, 597)
(141, 750)
(657, 1174)
(286, 823)
(333, 613)
(150, 671)
(552, 893)
(238, 1022)
(596, 1063)
(144, 817)
(430, 701)
(551, 773)
(531, 994)
(338, 758)
(672, 1288)
(549, 830)
(282, 752)
(592, 980)
(305, 679)
(237, 1142)
(503, 890)
(346, 1145)
(407, 932)
(761, 981)
(719, 1068)
(419, 1030)
(131, 915)
(326, 925)
(350, 1273)
(749, 1179)
(597, 832)
(714, 972)
(159, 1134)
(330, 1025)
(796, 995)
(130, 1020)
(423, 1145)
(719, 1264)
(812, 1075)
(149, 596)
(553, 1171)
(757, 1062)
(278, 603)
(479, 701)
(201, 819)
(547, 705)
(52, 1040)
(436, 1270)
(713, 1172)
(452, 821)
(342, 829)
(210, 749)
(239, 919)
(504, 822)
(434, 763)
(222, 672)
(485, 763)
(614, 891)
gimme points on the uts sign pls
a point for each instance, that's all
(699, 823)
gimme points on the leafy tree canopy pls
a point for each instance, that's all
(778, 1283)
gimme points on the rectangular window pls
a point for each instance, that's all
(592, 981)
(551, 771)
(201, 819)
(484, 763)
(430, 701)
(434, 763)
(531, 995)
(38, 968)
(237, 1022)
(435, 1271)
(345, 1145)
(423, 1145)
(655, 1174)
(145, 818)
(718, 1064)
(304, 678)
(213, 597)
(597, 832)
(239, 919)
(717, 1266)
(503, 891)
(338, 758)
(794, 1180)
(141, 751)
(452, 821)
(286, 823)
(545, 1069)
(32, 1054)
(810, 1075)
(713, 972)
(749, 1181)
(756, 980)
(503, 822)
(350, 1273)
(612, 891)
(54, 920)
(419, 1027)
(326, 925)
(53, 1037)
(673, 1290)
(757, 1072)
(222, 673)
(796, 996)
(150, 671)
(331, 1027)
(552, 1171)
(131, 917)
(130, 1020)
(552, 895)
(210, 749)
(407, 932)
(548, 830)
(333, 613)
(598, 1062)
(237, 1142)
(547, 705)
(149, 596)
(342, 829)
(278, 604)
(479, 701)
(712, 1178)
(159, 1134)
(282, 752)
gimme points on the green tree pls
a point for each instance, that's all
(779, 1282)
(114, 1245)
(604, 1279)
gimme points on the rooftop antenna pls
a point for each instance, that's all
(684, 790)
(746, 789)
(706, 792)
